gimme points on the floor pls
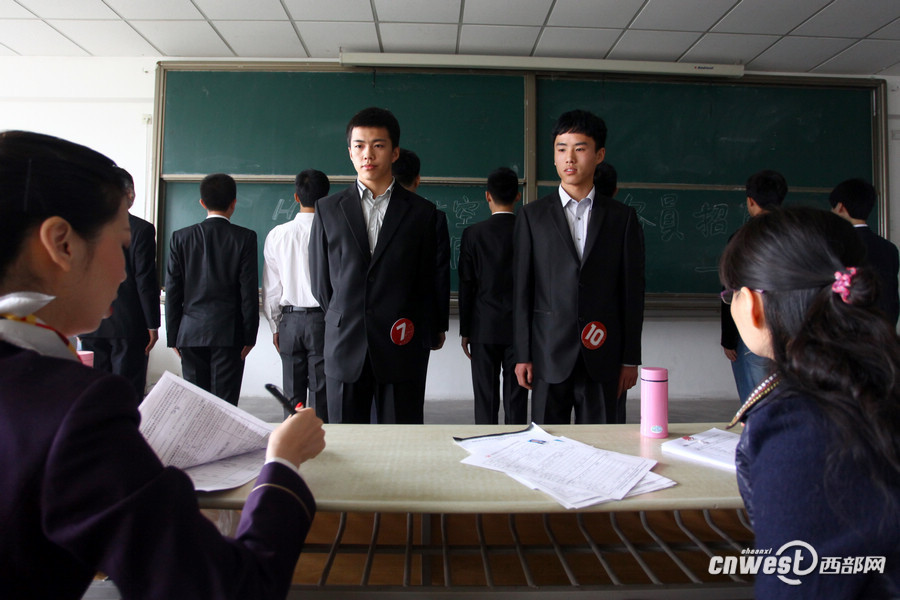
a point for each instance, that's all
(461, 411)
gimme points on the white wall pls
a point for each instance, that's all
(107, 103)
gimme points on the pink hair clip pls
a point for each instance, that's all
(842, 282)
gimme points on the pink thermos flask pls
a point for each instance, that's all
(654, 402)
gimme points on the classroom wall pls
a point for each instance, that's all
(108, 104)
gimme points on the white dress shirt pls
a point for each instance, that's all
(286, 269)
(373, 210)
(578, 214)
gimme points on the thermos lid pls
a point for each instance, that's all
(654, 374)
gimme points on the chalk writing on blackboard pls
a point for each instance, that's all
(286, 212)
(639, 208)
(711, 219)
(465, 210)
(454, 251)
(669, 219)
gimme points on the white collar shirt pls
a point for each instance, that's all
(374, 208)
(286, 277)
(578, 215)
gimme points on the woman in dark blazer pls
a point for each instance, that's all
(80, 489)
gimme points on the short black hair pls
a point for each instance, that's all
(857, 195)
(606, 180)
(376, 117)
(218, 191)
(406, 168)
(310, 185)
(582, 121)
(503, 186)
(767, 188)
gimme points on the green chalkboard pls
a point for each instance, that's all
(718, 133)
(262, 206)
(676, 144)
(279, 123)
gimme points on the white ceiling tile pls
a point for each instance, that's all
(652, 45)
(892, 72)
(325, 40)
(498, 12)
(4, 51)
(572, 42)
(798, 54)
(729, 49)
(105, 38)
(497, 39)
(13, 10)
(681, 15)
(850, 18)
(609, 14)
(184, 38)
(888, 32)
(867, 56)
(768, 17)
(331, 10)
(36, 38)
(67, 9)
(418, 37)
(175, 10)
(417, 11)
(261, 39)
(242, 10)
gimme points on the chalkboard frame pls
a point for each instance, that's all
(660, 305)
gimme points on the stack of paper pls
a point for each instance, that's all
(713, 447)
(217, 444)
(572, 473)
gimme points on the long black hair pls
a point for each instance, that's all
(43, 176)
(839, 349)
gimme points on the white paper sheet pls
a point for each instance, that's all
(713, 447)
(187, 426)
(573, 473)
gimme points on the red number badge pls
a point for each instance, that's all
(593, 335)
(402, 332)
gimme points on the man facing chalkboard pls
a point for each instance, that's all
(578, 287)
(372, 261)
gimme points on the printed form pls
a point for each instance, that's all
(573, 473)
(217, 444)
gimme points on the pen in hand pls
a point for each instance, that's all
(273, 389)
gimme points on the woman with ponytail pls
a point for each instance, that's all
(819, 459)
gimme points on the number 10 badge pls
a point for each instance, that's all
(593, 335)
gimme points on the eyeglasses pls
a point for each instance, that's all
(728, 295)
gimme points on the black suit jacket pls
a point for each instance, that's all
(212, 289)
(883, 257)
(486, 281)
(364, 294)
(136, 307)
(556, 296)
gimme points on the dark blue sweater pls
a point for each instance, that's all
(795, 491)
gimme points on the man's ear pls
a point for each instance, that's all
(56, 237)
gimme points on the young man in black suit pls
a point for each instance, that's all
(122, 343)
(854, 200)
(372, 261)
(485, 304)
(578, 287)
(406, 170)
(212, 291)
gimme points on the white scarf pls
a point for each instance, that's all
(20, 327)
